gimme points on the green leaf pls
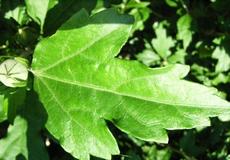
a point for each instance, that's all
(15, 142)
(184, 30)
(78, 60)
(23, 136)
(178, 57)
(37, 10)
(52, 3)
(172, 3)
(162, 43)
(148, 57)
(140, 11)
(16, 10)
(13, 73)
(223, 58)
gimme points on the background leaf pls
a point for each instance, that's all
(37, 10)
(184, 30)
(15, 143)
(223, 57)
(162, 43)
(15, 9)
(23, 138)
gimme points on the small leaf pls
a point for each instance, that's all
(162, 43)
(178, 57)
(140, 11)
(13, 73)
(172, 3)
(148, 57)
(223, 58)
(184, 30)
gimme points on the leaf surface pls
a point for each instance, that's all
(223, 58)
(15, 9)
(162, 43)
(23, 137)
(81, 85)
(38, 10)
(184, 30)
(15, 143)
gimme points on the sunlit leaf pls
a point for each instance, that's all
(223, 58)
(162, 43)
(78, 60)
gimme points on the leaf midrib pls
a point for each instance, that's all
(95, 87)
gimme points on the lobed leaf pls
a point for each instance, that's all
(162, 43)
(78, 61)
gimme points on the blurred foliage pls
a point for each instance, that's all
(192, 32)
